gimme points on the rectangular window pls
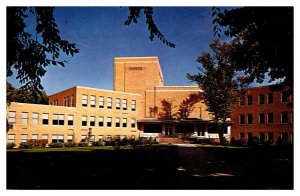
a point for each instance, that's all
(261, 118)
(284, 97)
(249, 134)
(108, 123)
(242, 101)
(101, 121)
(132, 123)
(58, 119)
(72, 101)
(34, 136)
(261, 136)
(270, 98)
(70, 120)
(92, 121)
(84, 121)
(45, 119)
(69, 104)
(70, 138)
(132, 137)
(108, 138)
(12, 117)
(100, 137)
(118, 103)
(249, 98)
(284, 117)
(11, 138)
(133, 105)
(24, 138)
(124, 104)
(270, 118)
(83, 138)
(84, 100)
(261, 99)
(101, 102)
(45, 137)
(124, 122)
(249, 120)
(117, 122)
(242, 135)
(35, 118)
(109, 102)
(270, 136)
(57, 138)
(25, 118)
(242, 119)
(93, 101)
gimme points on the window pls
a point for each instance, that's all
(249, 135)
(24, 118)
(108, 138)
(261, 136)
(11, 138)
(101, 102)
(270, 118)
(70, 120)
(117, 122)
(45, 137)
(284, 117)
(92, 138)
(92, 121)
(35, 118)
(242, 119)
(132, 137)
(84, 121)
(108, 124)
(249, 98)
(249, 120)
(100, 137)
(45, 119)
(58, 119)
(284, 97)
(118, 103)
(109, 102)
(93, 101)
(242, 135)
(242, 101)
(83, 138)
(261, 118)
(133, 105)
(65, 101)
(261, 99)
(132, 123)
(124, 122)
(57, 138)
(12, 117)
(70, 138)
(34, 136)
(24, 138)
(270, 98)
(72, 101)
(124, 104)
(84, 100)
(270, 136)
(101, 121)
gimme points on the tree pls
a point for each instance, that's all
(30, 54)
(264, 41)
(166, 110)
(187, 105)
(22, 95)
(220, 83)
(153, 111)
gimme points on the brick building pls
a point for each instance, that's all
(264, 113)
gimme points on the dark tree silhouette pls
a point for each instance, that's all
(30, 54)
(166, 110)
(187, 105)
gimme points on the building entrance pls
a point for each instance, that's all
(168, 131)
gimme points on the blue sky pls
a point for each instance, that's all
(101, 35)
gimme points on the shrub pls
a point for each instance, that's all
(10, 145)
(70, 144)
(268, 143)
(118, 144)
(56, 145)
(100, 142)
(232, 141)
(38, 143)
(83, 144)
(253, 141)
(26, 145)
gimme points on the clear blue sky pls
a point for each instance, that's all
(101, 35)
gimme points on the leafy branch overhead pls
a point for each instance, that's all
(30, 54)
(134, 14)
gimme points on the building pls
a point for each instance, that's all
(264, 113)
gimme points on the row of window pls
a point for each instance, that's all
(68, 101)
(60, 138)
(262, 118)
(109, 102)
(264, 136)
(262, 99)
(59, 119)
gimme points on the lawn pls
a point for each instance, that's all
(150, 167)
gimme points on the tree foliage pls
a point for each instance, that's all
(22, 95)
(166, 110)
(219, 81)
(134, 14)
(264, 37)
(30, 54)
(187, 105)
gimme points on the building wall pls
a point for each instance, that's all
(64, 98)
(277, 128)
(78, 112)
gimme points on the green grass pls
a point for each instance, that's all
(219, 146)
